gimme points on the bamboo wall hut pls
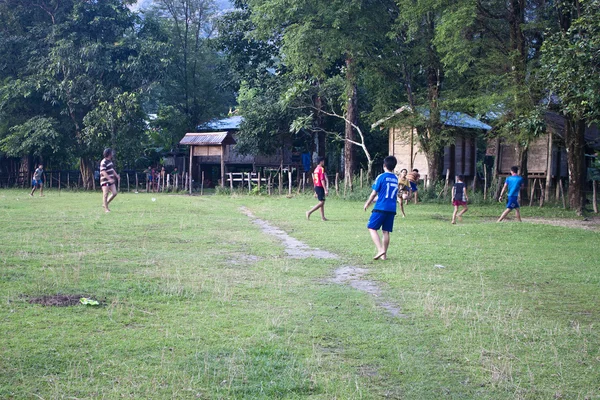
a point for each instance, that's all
(460, 158)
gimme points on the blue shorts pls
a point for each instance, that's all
(383, 220)
(35, 183)
(512, 202)
(413, 186)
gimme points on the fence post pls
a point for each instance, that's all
(280, 180)
(258, 175)
(484, 182)
(289, 183)
(337, 184)
(128, 183)
(447, 183)
(361, 178)
(594, 196)
(303, 181)
(269, 184)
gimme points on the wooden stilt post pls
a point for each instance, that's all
(231, 182)
(562, 192)
(59, 181)
(337, 183)
(49, 182)
(202, 183)
(191, 169)
(136, 182)
(484, 182)
(128, 183)
(258, 175)
(532, 192)
(542, 194)
(249, 183)
(68, 180)
(289, 183)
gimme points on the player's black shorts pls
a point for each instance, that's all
(320, 191)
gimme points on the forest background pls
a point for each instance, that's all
(77, 76)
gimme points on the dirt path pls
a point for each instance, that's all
(345, 275)
(590, 223)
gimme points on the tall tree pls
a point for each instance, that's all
(324, 39)
(571, 69)
(193, 84)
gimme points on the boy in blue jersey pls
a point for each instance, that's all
(385, 189)
(513, 184)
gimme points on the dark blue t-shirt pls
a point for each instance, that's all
(386, 186)
(514, 185)
(459, 188)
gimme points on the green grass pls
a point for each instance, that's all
(199, 303)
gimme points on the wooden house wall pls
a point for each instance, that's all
(537, 158)
(461, 157)
(400, 147)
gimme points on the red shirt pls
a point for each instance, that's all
(319, 176)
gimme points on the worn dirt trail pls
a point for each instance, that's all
(345, 275)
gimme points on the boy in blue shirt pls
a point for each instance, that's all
(513, 183)
(385, 189)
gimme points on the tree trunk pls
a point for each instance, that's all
(575, 144)
(351, 93)
(87, 173)
(522, 153)
(24, 177)
(434, 164)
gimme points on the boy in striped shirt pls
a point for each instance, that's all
(108, 179)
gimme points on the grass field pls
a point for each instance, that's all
(198, 303)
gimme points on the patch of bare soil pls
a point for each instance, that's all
(57, 300)
(590, 223)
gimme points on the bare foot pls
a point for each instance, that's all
(324, 219)
(307, 215)
(379, 255)
(453, 222)
(30, 195)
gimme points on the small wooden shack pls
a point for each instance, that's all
(213, 148)
(207, 147)
(460, 158)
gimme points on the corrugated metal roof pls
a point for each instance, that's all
(451, 118)
(207, 139)
(458, 119)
